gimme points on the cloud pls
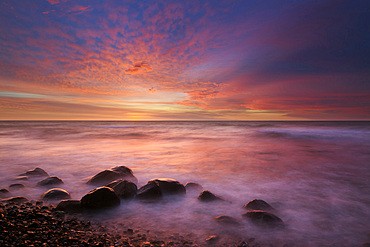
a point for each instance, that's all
(139, 67)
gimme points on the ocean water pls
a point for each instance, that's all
(315, 174)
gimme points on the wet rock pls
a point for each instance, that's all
(21, 178)
(17, 199)
(50, 181)
(150, 191)
(226, 220)
(212, 239)
(55, 194)
(123, 188)
(191, 186)
(35, 172)
(16, 186)
(207, 196)
(101, 197)
(112, 174)
(70, 206)
(263, 218)
(257, 204)
(4, 193)
(169, 186)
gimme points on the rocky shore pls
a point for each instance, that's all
(32, 224)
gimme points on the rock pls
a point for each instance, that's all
(191, 186)
(150, 191)
(257, 204)
(21, 178)
(50, 181)
(227, 220)
(212, 239)
(123, 188)
(101, 197)
(16, 186)
(35, 172)
(112, 174)
(3, 193)
(169, 186)
(207, 196)
(263, 218)
(17, 199)
(243, 244)
(55, 194)
(70, 206)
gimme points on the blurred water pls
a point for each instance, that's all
(314, 173)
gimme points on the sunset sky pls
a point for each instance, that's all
(184, 60)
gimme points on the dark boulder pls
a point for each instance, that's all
(207, 196)
(17, 199)
(70, 206)
(123, 188)
(150, 191)
(257, 204)
(112, 174)
(101, 197)
(3, 193)
(35, 172)
(169, 186)
(193, 187)
(226, 220)
(16, 186)
(50, 181)
(55, 194)
(263, 218)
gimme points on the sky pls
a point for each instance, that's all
(184, 60)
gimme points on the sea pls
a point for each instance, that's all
(316, 175)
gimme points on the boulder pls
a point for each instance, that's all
(70, 206)
(50, 181)
(207, 196)
(112, 174)
(263, 218)
(226, 220)
(35, 172)
(17, 199)
(3, 193)
(101, 197)
(257, 204)
(169, 186)
(55, 194)
(193, 187)
(123, 188)
(213, 239)
(16, 186)
(150, 191)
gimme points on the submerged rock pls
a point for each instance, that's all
(194, 187)
(55, 194)
(150, 191)
(101, 197)
(35, 172)
(50, 181)
(4, 192)
(70, 206)
(207, 196)
(16, 186)
(257, 204)
(169, 186)
(112, 174)
(227, 220)
(17, 199)
(263, 218)
(123, 188)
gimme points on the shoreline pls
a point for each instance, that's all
(34, 224)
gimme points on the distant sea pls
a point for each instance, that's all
(315, 174)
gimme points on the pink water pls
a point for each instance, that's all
(316, 174)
